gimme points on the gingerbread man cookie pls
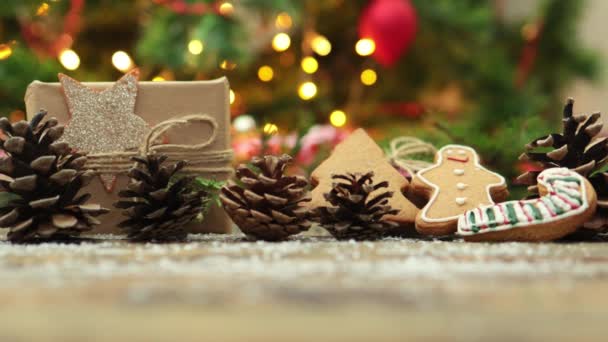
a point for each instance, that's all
(454, 184)
(360, 154)
(567, 201)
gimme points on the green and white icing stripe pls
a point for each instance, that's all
(566, 196)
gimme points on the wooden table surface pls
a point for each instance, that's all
(222, 288)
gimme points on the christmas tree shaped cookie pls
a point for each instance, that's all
(360, 154)
(454, 184)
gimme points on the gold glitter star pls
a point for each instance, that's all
(103, 121)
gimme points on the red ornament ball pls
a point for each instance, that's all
(392, 25)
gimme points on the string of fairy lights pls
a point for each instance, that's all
(307, 89)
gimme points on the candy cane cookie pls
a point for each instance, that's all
(455, 183)
(567, 201)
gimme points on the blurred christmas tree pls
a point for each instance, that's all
(443, 70)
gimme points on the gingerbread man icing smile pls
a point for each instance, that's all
(454, 184)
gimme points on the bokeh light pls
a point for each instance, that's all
(281, 42)
(307, 90)
(69, 59)
(368, 77)
(227, 65)
(265, 73)
(244, 123)
(321, 45)
(337, 118)
(365, 47)
(5, 51)
(226, 8)
(270, 128)
(43, 9)
(283, 21)
(309, 65)
(196, 47)
(122, 61)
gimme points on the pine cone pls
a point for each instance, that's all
(43, 177)
(577, 148)
(354, 212)
(158, 210)
(266, 203)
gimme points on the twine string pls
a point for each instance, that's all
(402, 151)
(198, 159)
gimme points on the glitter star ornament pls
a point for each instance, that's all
(103, 121)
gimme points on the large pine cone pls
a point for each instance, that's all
(356, 211)
(42, 178)
(577, 148)
(158, 210)
(266, 203)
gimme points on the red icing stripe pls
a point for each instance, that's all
(502, 211)
(572, 205)
(521, 205)
(546, 206)
(481, 219)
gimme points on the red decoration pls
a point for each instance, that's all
(532, 35)
(411, 110)
(392, 25)
(49, 43)
(183, 7)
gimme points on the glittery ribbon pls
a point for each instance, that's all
(402, 150)
(198, 159)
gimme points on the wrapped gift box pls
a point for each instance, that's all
(156, 102)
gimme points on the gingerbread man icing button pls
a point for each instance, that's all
(455, 183)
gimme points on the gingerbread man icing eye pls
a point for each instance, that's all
(449, 151)
(461, 152)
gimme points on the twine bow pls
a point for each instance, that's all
(198, 159)
(403, 149)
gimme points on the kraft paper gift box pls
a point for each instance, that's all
(156, 102)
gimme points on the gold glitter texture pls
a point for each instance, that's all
(103, 121)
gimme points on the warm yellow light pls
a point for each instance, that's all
(281, 42)
(195, 47)
(226, 8)
(321, 45)
(243, 123)
(270, 128)
(283, 21)
(43, 9)
(5, 51)
(158, 79)
(365, 47)
(307, 90)
(69, 59)
(232, 96)
(337, 118)
(310, 65)
(368, 77)
(265, 73)
(122, 61)
(227, 65)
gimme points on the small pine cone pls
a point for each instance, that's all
(354, 212)
(158, 210)
(578, 148)
(42, 177)
(265, 204)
